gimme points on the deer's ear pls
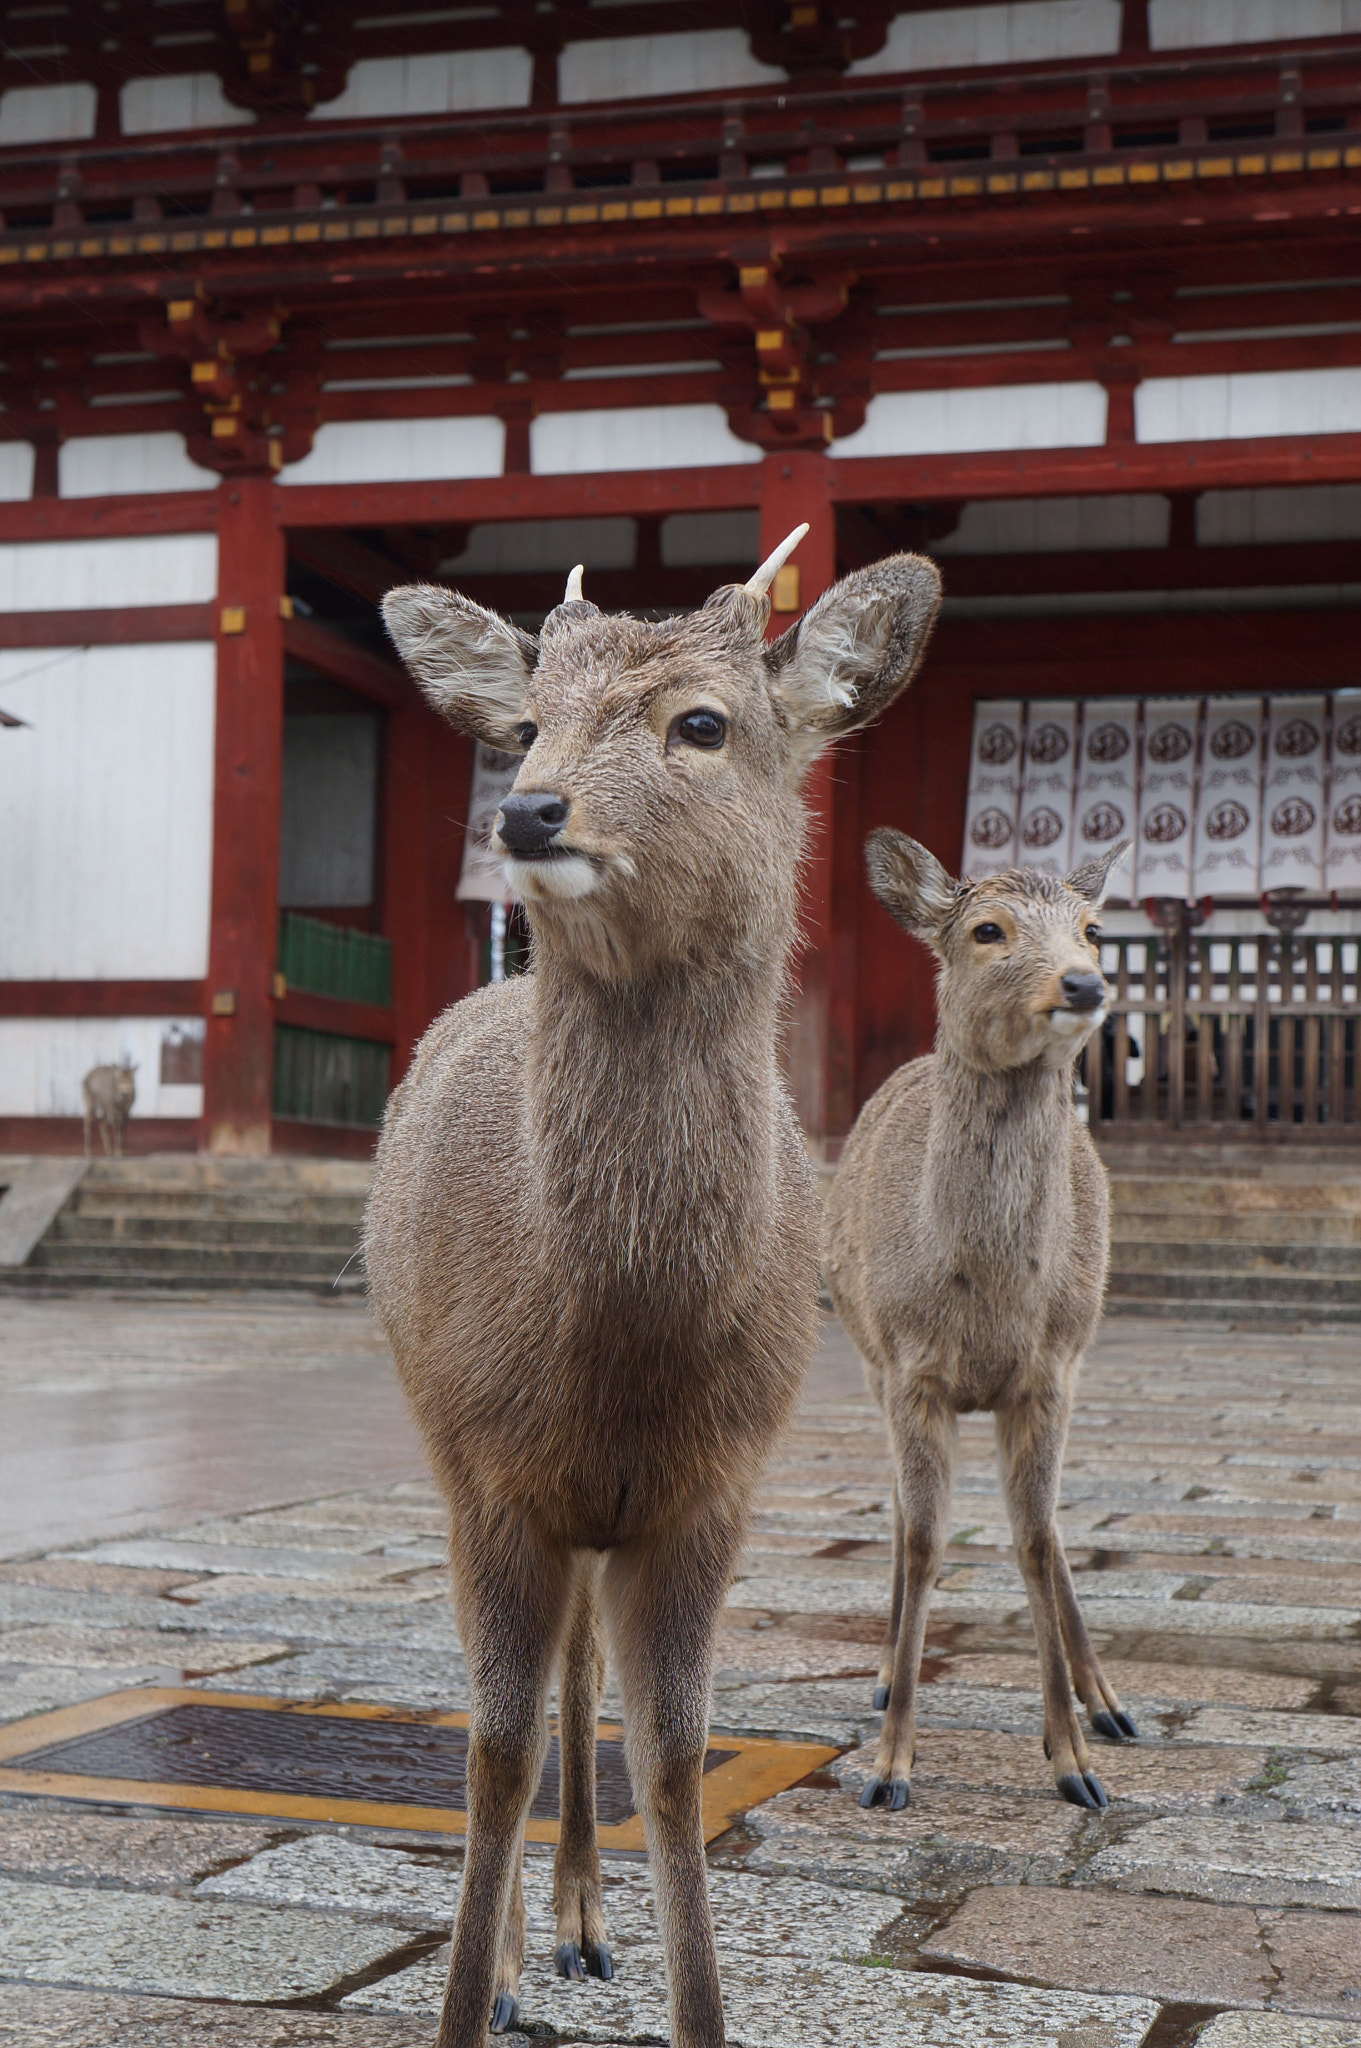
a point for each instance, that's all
(1093, 879)
(911, 884)
(472, 665)
(848, 657)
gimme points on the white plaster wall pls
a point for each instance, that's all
(401, 451)
(634, 437)
(647, 67)
(1291, 512)
(445, 82)
(1192, 24)
(510, 546)
(106, 812)
(47, 113)
(16, 470)
(43, 1059)
(1248, 405)
(112, 465)
(1039, 526)
(96, 575)
(997, 416)
(192, 99)
(1029, 32)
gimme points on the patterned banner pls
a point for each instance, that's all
(994, 790)
(1342, 864)
(1229, 807)
(1046, 831)
(1105, 807)
(482, 878)
(1166, 791)
(1293, 796)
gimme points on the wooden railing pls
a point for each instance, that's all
(1253, 1034)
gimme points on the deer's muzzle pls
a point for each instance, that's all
(530, 821)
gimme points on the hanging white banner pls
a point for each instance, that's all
(1050, 756)
(994, 790)
(482, 878)
(1105, 803)
(1293, 795)
(1167, 781)
(1342, 858)
(1229, 802)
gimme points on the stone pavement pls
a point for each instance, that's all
(1212, 1513)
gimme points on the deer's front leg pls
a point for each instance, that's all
(1030, 1440)
(925, 1434)
(510, 1599)
(662, 1601)
(582, 1939)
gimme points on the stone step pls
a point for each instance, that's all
(73, 1226)
(211, 1203)
(1213, 1227)
(1132, 1194)
(1198, 1255)
(1263, 1316)
(305, 1265)
(42, 1280)
(1214, 1283)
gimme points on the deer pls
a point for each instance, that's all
(108, 1094)
(964, 1245)
(591, 1237)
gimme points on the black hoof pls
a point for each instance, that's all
(1107, 1725)
(504, 2013)
(1096, 1788)
(1048, 1752)
(1082, 1790)
(600, 1963)
(882, 1695)
(1125, 1725)
(894, 1793)
(567, 1962)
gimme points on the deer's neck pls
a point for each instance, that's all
(651, 1117)
(997, 1180)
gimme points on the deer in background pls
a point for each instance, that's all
(591, 1238)
(965, 1241)
(108, 1094)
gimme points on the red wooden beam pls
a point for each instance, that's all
(101, 998)
(108, 628)
(309, 641)
(464, 503)
(330, 1013)
(114, 518)
(1061, 472)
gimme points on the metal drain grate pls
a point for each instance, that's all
(369, 1766)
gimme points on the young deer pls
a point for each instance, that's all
(592, 1236)
(965, 1242)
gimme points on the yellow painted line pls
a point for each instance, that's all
(1352, 157)
(770, 202)
(965, 188)
(803, 195)
(1074, 181)
(679, 208)
(544, 217)
(1037, 181)
(186, 239)
(307, 231)
(1143, 174)
(269, 237)
(516, 217)
(1251, 166)
(10, 255)
(336, 231)
(66, 248)
(1324, 159)
(1221, 166)
(868, 195)
(92, 247)
(120, 245)
(486, 220)
(1108, 174)
(147, 244)
(1287, 160)
(367, 229)
(34, 252)
(1174, 173)
(455, 223)
(753, 1772)
(396, 226)
(927, 188)
(741, 202)
(1002, 181)
(615, 209)
(243, 238)
(424, 223)
(583, 213)
(709, 202)
(836, 195)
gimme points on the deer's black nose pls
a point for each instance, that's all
(1083, 991)
(530, 820)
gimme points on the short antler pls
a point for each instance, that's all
(772, 565)
(572, 594)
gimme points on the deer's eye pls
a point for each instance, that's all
(988, 934)
(699, 729)
(527, 733)
(1093, 935)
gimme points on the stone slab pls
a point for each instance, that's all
(59, 1934)
(1332, 1732)
(1146, 1773)
(1317, 1790)
(36, 2016)
(1169, 1949)
(67, 1845)
(261, 1560)
(36, 1192)
(1318, 1956)
(1276, 2030)
(1255, 1862)
(189, 1650)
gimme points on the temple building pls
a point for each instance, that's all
(299, 301)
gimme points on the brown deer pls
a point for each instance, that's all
(108, 1094)
(592, 1236)
(965, 1241)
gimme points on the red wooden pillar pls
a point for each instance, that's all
(821, 1043)
(428, 768)
(238, 1061)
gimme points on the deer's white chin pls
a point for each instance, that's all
(568, 878)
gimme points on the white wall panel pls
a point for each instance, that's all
(401, 451)
(444, 82)
(192, 99)
(1041, 526)
(1193, 24)
(47, 113)
(634, 437)
(43, 1060)
(997, 416)
(1248, 405)
(647, 67)
(1286, 513)
(106, 812)
(1030, 32)
(16, 470)
(114, 465)
(97, 575)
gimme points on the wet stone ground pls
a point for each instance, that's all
(1212, 1513)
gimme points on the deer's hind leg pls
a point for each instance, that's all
(883, 1684)
(1090, 1682)
(1030, 1440)
(510, 1601)
(582, 1939)
(925, 1434)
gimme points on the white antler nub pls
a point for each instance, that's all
(572, 594)
(772, 565)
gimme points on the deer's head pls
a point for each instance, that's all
(656, 815)
(1020, 976)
